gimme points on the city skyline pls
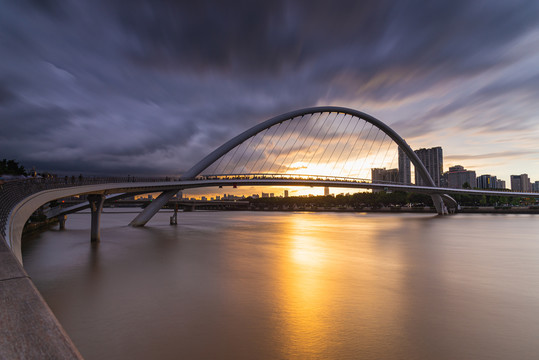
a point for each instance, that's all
(101, 88)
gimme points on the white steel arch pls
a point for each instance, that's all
(215, 155)
(239, 139)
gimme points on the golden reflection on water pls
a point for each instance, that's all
(312, 276)
(304, 288)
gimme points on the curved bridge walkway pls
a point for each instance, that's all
(13, 192)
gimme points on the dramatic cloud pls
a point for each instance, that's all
(149, 87)
(497, 155)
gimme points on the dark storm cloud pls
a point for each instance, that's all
(365, 39)
(6, 96)
(22, 121)
(155, 85)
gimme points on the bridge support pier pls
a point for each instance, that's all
(96, 206)
(174, 218)
(153, 208)
(62, 221)
(441, 209)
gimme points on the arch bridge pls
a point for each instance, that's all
(320, 146)
(313, 143)
(317, 147)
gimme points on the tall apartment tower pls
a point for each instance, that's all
(434, 162)
(384, 175)
(487, 182)
(405, 176)
(457, 176)
(520, 183)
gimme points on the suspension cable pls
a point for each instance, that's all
(266, 145)
(285, 143)
(270, 152)
(354, 146)
(261, 137)
(324, 138)
(378, 152)
(231, 157)
(241, 157)
(347, 141)
(387, 151)
(293, 145)
(362, 146)
(339, 142)
(370, 149)
(331, 140)
(316, 136)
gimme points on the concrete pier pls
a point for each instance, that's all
(96, 206)
(62, 221)
(174, 218)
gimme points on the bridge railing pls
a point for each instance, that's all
(268, 176)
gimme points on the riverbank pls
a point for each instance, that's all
(464, 210)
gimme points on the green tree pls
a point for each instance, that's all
(483, 201)
(11, 167)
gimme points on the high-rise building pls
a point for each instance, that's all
(520, 183)
(382, 175)
(487, 182)
(286, 193)
(326, 190)
(458, 176)
(434, 162)
(405, 176)
(535, 186)
(444, 179)
(500, 184)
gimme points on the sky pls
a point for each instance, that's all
(150, 87)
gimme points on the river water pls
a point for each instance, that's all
(276, 285)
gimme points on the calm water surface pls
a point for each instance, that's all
(271, 285)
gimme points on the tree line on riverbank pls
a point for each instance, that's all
(11, 167)
(384, 199)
